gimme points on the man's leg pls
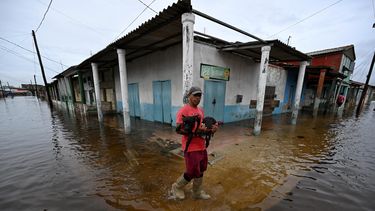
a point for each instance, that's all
(178, 187)
(198, 192)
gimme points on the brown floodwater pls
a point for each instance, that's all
(62, 160)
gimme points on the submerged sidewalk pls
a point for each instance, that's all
(252, 172)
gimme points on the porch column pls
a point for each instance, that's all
(261, 88)
(124, 89)
(69, 93)
(98, 100)
(337, 92)
(81, 88)
(188, 20)
(319, 92)
(297, 98)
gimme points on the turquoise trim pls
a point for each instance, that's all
(119, 106)
(147, 111)
(279, 110)
(233, 113)
(174, 114)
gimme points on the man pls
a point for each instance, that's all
(340, 99)
(195, 154)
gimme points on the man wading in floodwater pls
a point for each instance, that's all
(193, 145)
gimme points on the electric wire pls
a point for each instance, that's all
(315, 13)
(44, 16)
(356, 68)
(148, 6)
(1, 38)
(75, 21)
(12, 78)
(135, 19)
(22, 56)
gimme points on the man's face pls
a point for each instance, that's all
(195, 99)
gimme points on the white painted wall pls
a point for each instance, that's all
(160, 65)
(167, 65)
(277, 77)
(243, 72)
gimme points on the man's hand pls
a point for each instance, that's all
(202, 128)
(215, 127)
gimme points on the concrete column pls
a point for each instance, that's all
(337, 92)
(98, 100)
(319, 92)
(124, 89)
(297, 98)
(69, 93)
(261, 88)
(188, 20)
(81, 88)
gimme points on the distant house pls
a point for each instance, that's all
(341, 61)
(15, 91)
(327, 75)
(33, 88)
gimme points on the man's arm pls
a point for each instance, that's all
(179, 129)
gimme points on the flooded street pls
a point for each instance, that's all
(65, 161)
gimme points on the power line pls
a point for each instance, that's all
(362, 63)
(75, 21)
(305, 18)
(21, 56)
(12, 78)
(135, 19)
(44, 16)
(1, 38)
(147, 6)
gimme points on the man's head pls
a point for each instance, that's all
(194, 95)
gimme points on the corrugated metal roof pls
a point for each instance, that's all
(334, 50)
(71, 70)
(161, 31)
(279, 51)
(165, 30)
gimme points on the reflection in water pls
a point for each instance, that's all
(67, 161)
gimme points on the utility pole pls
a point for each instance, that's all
(10, 90)
(2, 90)
(289, 40)
(36, 88)
(361, 101)
(30, 87)
(41, 67)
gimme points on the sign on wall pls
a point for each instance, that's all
(215, 72)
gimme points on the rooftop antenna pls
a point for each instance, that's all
(62, 67)
(289, 39)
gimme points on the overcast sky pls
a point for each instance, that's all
(73, 30)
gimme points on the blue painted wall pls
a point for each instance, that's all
(174, 113)
(234, 113)
(119, 106)
(147, 111)
(291, 83)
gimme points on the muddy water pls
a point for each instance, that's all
(64, 161)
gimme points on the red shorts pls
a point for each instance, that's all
(195, 163)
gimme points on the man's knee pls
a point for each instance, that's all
(196, 173)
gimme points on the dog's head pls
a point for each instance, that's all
(189, 122)
(209, 121)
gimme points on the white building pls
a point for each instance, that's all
(148, 71)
